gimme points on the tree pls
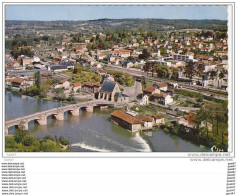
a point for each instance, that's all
(190, 70)
(213, 74)
(175, 74)
(146, 68)
(28, 140)
(200, 70)
(162, 71)
(37, 79)
(146, 53)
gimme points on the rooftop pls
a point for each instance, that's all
(121, 114)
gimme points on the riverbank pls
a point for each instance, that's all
(21, 141)
(20, 93)
(196, 137)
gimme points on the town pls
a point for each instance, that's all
(169, 79)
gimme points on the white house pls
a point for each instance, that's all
(96, 65)
(161, 86)
(62, 84)
(159, 119)
(162, 98)
(143, 100)
(76, 87)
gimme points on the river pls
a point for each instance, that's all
(93, 132)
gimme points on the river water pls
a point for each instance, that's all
(93, 132)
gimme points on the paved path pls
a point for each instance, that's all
(132, 92)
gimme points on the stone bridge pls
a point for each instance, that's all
(58, 113)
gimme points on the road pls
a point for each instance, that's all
(26, 72)
(132, 92)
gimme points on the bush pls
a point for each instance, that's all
(122, 78)
(49, 137)
(19, 135)
(10, 142)
(48, 146)
(28, 140)
(200, 99)
(63, 141)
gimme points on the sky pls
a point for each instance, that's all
(85, 12)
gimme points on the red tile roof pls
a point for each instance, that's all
(162, 84)
(76, 84)
(149, 89)
(62, 81)
(17, 80)
(158, 116)
(121, 114)
(143, 118)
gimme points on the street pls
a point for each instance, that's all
(132, 92)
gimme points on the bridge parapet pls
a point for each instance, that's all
(58, 113)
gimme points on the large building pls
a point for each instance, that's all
(108, 90)
(121, 118)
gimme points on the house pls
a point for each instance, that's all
(61, 66)
(91, 87)
(115, 62)
(62, 84)
(147, 121)
(150, 90)
(112, 58)
(187, 123)
(27, 60)
(76, 87)
(127, 64)
(16, 64)
(121, 118)
(203, 57)
(119, 97)
(161, 62)
(187, 57)
(143, 99)
(108, 90)
(121, 53)
(173, 85)
(64, 42)
(87, 40)
(45, 76)
(140, 61)
(69, 65)
(219, 45)
(101, 56)
(198, 45)
(159, 119)
(60, 49)
(161, 86)
(170, 92)
(162, 98)
(17, 82)
(56, 68)
(221, 53)
(207, 65)
(96, 65)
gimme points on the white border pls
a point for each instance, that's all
(136, 154)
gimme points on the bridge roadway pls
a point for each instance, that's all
(58, 113)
